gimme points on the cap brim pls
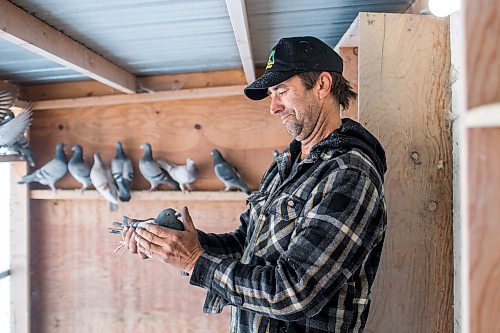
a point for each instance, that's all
(258, 89)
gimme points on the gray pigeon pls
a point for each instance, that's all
(12, 128)
(184, 174)
(123, 172)
(276, 154)
(152, 171)
(167, 218)
(51, 172)
(104, 183)
(78, 168)
(227, 173)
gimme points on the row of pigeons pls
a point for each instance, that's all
(114, 183)
(12, 138)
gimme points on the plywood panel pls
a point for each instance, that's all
(404, 66)
(242, 130)
(80, 285)
(484, 211)
(482, 37)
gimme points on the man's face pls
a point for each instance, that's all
(298, 108)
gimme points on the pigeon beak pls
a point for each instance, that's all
(178, 214)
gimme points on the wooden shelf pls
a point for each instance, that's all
(483, 116)
(140, 195)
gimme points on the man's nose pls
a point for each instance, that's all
(276, 105)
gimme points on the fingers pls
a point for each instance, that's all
(151, 236)
(157, 230)
(145, 244)
(129, 240)
(187, 220)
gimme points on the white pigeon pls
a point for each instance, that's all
(104, 183)
(184, 174)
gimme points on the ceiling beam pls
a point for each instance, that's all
(238, 15)
(236, 90)
(25, 30)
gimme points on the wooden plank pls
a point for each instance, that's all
(141, 195)
(186, 94)
(483, 116)
(483, 178)
(482, 26)
(151, 83)
(238, 15)
(20, 256)
(27, 31)
(242, 130)
(404, 63)
(79, 285)
(350, 57)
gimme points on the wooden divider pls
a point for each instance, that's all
(404, 63)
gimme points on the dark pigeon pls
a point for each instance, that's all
(152, 171)
(227, 173)
(123, 172)
(78, 168)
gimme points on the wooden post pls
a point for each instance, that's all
(480, 190)
(404, 63)
(20, 251)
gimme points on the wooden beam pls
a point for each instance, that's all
(238, 15)
(351, 37)
(483, 116)
(19, 251)
(139, 98)
(23, 29)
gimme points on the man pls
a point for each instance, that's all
(305, 255)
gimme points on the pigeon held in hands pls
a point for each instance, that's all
(184, 174)
(50, 172)
(78, 168)
(12, 128)
(152, 171)
(123, 172)
(227, 173)
(104, 183)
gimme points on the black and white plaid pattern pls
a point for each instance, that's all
(305, 255)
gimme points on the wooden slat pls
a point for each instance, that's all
(404, 63)
(480, 188)
(238, 15)
(23, 29)
(482, 37)
(20, 252)
(188, 94)
(141, 195)
(166, 82)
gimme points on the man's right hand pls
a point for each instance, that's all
(128, 238)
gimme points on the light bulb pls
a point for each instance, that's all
(442, 8)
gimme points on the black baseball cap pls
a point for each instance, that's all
(291, 56)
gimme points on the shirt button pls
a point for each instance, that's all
(291, 203)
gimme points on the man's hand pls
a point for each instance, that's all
(178, 248)
(128, 238)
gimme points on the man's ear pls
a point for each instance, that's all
(325, 82)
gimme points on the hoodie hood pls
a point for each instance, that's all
(348, 136)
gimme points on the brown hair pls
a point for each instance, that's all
(341, 89)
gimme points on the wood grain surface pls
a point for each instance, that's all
(403, 85)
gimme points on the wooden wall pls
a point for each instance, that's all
(481, 186)
(404, 63)
(78, 283)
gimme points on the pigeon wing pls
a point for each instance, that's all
(12, 131)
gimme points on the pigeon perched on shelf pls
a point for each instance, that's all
(123, 172)
(227, 173)
(184, 174)
(12, 128)
(51, 172)
(78, 168)
(104, 183)
(152, 171)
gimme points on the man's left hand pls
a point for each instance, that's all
(178, 248)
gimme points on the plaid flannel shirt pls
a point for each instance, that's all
(305, 255)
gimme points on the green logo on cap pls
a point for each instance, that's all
(270, 61)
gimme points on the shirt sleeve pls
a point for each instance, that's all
(228, 244)
(334, 235)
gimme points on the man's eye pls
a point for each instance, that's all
(281, 92)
